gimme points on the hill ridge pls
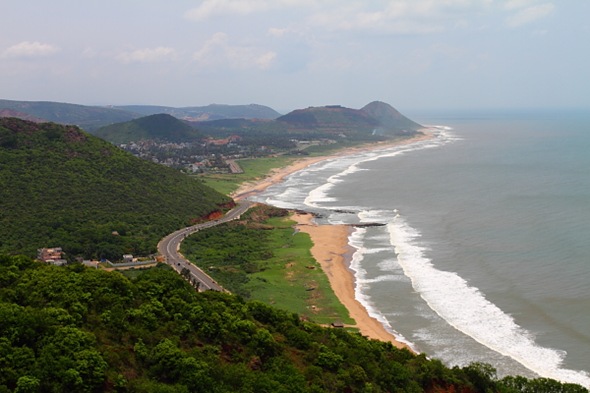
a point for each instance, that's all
(64, 187)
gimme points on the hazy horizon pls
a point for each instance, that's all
(286, 54)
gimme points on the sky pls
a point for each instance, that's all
(289, 54)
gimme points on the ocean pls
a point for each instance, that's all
(481, 252)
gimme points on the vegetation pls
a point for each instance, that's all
(78, 329)
(254, 169)
(86, 117)
(61, 187)
(160, 127)
(375, 119)
(261, 258)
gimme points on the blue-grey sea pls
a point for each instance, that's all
(484, 251)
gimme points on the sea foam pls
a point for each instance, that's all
(466, 309)
(356, 240)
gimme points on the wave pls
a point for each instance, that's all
(348, 165)
(466, 309)
(356, 240)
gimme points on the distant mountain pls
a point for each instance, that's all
(20, 115)
(86, 117)
(62, 187)
(376, 118)
(161, 127)
(389, 119)
(209, 112)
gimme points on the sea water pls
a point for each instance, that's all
(482, 248)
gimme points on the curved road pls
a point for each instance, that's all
(170, 245)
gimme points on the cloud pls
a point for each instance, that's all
(28, 49)
(396, 17)
(276, 32)
(210, 8)
(148, 55)
(218, 51)
(530, 14)
(515, 4)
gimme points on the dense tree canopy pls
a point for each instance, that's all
(78, 329)
(61, 187)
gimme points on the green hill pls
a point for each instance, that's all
(86, 117)
(60, 186)
(162, 127)
(389, 119)
(76, 329)
(376, 118)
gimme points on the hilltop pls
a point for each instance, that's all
(61, 186)
(91, 118)
(375, 121)
(162, 127)
(208, 112)
(86, 117)
(376, 118)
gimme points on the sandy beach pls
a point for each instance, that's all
(331, 241)
(330, 247)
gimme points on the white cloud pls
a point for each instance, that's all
(148, 55)
(210, 8)
(397, 17)
(515, 4)
(218, 51)
(28, 49)
(276, 32)
(530, 14)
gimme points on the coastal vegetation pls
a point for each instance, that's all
(61, 187)
(260, 257)
(79, 329)
(254, 169)
(87, 330)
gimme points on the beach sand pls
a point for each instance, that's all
(251, 188)
(330, 247)
(331, 241)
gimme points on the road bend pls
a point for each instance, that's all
(169, 248)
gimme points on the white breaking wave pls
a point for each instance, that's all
(351, 164)
(466, 308)
(356, 240)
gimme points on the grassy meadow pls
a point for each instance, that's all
(263, 258)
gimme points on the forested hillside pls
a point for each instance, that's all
(61, 187)
(87, 117)
(76, 329)
(161, 127)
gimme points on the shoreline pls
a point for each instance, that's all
(277, 175)
(331, 247)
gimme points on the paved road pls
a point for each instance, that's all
(169, 246)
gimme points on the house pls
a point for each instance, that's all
(52, 255)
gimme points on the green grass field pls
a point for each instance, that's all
(254, 169)
(264, 258)
(293, 279)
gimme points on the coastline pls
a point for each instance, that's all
(330, 242)
(277, 175)
(330, 247)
